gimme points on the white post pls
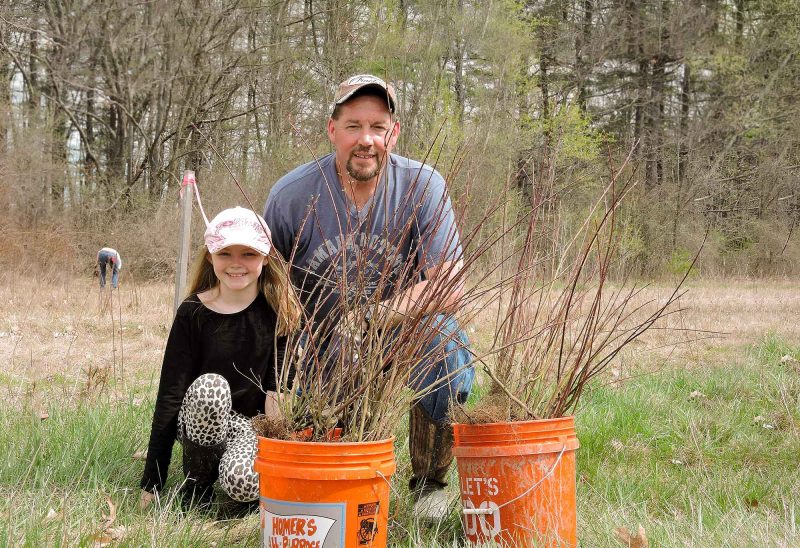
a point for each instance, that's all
(183, 238)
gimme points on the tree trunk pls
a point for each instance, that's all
(739, 15)
(458, 80)
(115, 149)
(684, 121)
(654, 131)
(5, 105)
(33, 69)
(583, 38)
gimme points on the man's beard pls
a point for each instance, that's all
(363, 175)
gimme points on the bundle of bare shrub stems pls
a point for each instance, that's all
(561, 320)
(559, 324)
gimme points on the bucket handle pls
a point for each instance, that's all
(388, 482)
(487, 511)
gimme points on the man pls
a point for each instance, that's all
(367, 214)
(109, 257)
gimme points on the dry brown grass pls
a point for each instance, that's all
(716, 318)
(59, 338)
(716, 322)
(54, 338)
(744, 309)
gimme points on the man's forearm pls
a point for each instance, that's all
(441, 292)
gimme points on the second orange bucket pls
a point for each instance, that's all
(517, 481)
(324, 494)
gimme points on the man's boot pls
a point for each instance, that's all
(201, 468)
(431, 447)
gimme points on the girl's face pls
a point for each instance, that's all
(238, 267)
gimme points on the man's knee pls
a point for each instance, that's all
(447, 372)
(449, 392)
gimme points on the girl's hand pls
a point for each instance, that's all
(146, 499)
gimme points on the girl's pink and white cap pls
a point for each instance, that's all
(238, 226)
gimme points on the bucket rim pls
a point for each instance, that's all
(514, 438)
(328, 443)
(551, 420)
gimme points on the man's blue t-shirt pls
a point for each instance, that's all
(406, 227)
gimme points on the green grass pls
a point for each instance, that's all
(714, 469)
(717, 469)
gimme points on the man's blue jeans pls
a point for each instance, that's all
(447, 356)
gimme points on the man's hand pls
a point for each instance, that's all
(439, 292)
(146, 499)
(352, 326)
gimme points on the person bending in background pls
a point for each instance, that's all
(219, 361)
(109, 257)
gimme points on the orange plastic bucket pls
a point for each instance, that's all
(324, 494)
(517, 481)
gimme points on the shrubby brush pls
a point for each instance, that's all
(561, 319)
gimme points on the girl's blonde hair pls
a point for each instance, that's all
(273, 283)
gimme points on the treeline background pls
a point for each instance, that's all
(103, 103)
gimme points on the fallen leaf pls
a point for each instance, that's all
(629, 539)
(107, 533)
(751, 502)
(102, 539)
(140, 455)
(108, 520)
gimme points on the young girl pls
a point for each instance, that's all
(220, 358)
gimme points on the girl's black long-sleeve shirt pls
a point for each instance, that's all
(240, 346)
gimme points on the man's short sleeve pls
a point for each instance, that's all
(279, 225)
(438, 235)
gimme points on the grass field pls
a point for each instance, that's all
(697, 443)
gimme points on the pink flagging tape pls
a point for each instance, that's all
(189, 180)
